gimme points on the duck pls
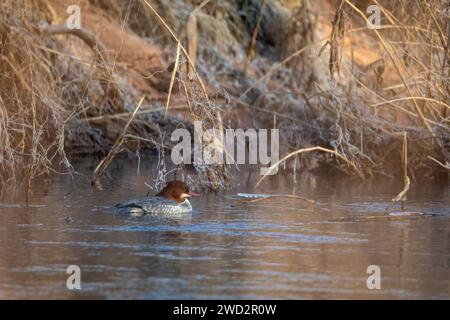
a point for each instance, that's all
(172, 200)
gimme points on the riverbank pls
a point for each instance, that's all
(312, 70)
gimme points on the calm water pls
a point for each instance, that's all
(229, 247)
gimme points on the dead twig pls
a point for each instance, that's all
(317, 148)
(446, 165)
(406, 181)
(172, 79)
(103, 165)
(88, 37)
(289, 196)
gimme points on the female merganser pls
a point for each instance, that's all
(172, 200)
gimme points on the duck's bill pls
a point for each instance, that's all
(193, 194)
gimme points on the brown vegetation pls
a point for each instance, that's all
(313, 70)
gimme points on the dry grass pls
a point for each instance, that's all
(31, 102)
(363, 106)
(53, 101)
(349, 90)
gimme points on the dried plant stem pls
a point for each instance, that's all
(251, 45)
(103, 165)
(446, 165)
(317, 148)
(391, 55)
(412, 98)
(172, 79)
(392, 102)
(406, 181)
(185, 53)
(192, 35)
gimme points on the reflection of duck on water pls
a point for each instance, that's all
(172, 200)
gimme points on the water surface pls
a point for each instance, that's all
(228, 247)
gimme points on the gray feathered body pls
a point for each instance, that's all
(154, 206)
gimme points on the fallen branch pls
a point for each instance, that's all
(88, 37)
(112, 88)
(290, 196)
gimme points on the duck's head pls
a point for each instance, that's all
(177, 190)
